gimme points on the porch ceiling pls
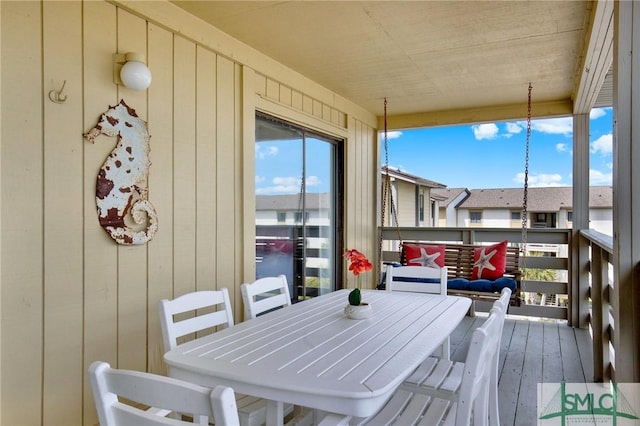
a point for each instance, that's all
(437, 62)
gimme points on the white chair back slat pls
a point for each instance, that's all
(265, 294)
(474, 389)
(146, 389)
(501, 305)
(419, 279)
(200, 323)
(174, 328)
(407, 278)
(197, 306)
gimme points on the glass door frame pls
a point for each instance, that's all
(337, 187)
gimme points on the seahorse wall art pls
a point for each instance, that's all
(121, 187)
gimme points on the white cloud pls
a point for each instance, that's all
(394, 134)
(555, 126)
(262, 153)
(485, 131)
(597, 113)
(562, 147)
(285, 184)
(513, 128)
(540, 180)
(603, 145)
(281, 185)
(596, 177)
(313, 181)
(260, 179)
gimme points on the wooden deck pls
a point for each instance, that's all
(532, 352)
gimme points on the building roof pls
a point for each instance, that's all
(449, 194)
(407, 177)
(292, 201)
(539, 199)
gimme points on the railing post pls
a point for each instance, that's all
(600, 314)
(578, 248)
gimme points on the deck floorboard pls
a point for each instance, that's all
(531, 352)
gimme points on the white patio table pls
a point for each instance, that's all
(311, 354)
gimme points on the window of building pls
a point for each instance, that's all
(570, 216)
(475, 217)
(421, 208)
(298, 217)
(282, 217)
(515, 215)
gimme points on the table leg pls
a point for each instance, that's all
(275, 413)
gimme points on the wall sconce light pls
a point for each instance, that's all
(130, 70)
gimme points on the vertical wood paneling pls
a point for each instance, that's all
(225, 185)
(22, 230)
(63, 236)
(296, 100)
(184, 155)
(70, 294)
(206, 178)
(361, 161)
(249, 172)
(132, 260)
(285, 95)
(1, 222)
(360, 199)
(350, 205)
(238, 184)
(272, 89)
(100, 252)
(160, 250)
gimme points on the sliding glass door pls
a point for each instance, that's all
(298, 206)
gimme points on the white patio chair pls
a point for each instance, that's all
(146, 389)
(471, 398)
(444, 379)
(419, 279)
(252, 410)
(264, 295)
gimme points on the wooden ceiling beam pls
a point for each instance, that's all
(478, 115)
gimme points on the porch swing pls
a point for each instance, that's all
(460, 259)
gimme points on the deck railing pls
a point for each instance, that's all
(602, 315)
(547, 250)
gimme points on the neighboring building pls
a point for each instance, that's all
(413, 198)
(547, 207)
(287, 209)
(448, 207)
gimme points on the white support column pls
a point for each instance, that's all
(579, 251)
(626, 190)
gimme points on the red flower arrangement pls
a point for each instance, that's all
(359, 262)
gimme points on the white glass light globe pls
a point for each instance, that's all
(135, 75)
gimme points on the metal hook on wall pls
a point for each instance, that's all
(57, 96)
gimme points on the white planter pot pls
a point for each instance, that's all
(361, 311)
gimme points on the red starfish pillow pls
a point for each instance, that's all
(489, 262)
(424, 255)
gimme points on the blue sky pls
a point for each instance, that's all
(492, 155)
(489, 155)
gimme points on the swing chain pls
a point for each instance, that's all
(526, 183)
(386, 190)
(386, 183)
